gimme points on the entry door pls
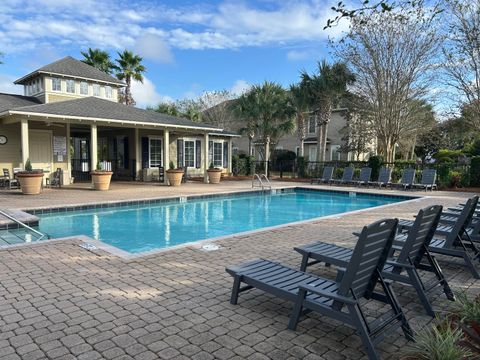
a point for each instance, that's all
(312, 153)
(40, 148)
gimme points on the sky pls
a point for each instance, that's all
(188, 46)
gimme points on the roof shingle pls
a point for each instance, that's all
(12, 101)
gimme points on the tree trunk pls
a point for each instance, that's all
(302, 148)
(324, 115)
(319, 142)
(267, 154)
(324, 142)
(250, 145)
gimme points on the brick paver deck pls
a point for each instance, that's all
(59, 301)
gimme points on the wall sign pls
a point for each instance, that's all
(60, 145)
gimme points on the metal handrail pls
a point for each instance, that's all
(22, 224)
(260, 182)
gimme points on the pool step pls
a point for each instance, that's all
(15, 236)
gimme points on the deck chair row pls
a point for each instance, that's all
(427, 182)
(385, 252)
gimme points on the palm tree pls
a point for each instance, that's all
(98, 59)
(324, 89)
(242, 108)
(270, 107)
(129, 67)
(300, 104)
(166, 108)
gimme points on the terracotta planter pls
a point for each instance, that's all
(174, 176)
(31, 183)
(214, 175)
(101, 180)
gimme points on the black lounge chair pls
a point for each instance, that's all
(384, 177)
(364, 178)
(346, 177)
(326, 176)
(407, 180)
(401, 268)
(428, 181)
(338, 300)
(454, 239)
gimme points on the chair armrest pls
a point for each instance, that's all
(399, 264)
(329, 295)
(356, 233)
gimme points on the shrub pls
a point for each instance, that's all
(475, 171)
(375, 162)
(454, 178)
(338, 173)
(301, 167)
(250, 165)
(450, 156)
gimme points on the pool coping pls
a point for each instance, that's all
(198, 244)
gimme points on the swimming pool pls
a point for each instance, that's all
(147, 227)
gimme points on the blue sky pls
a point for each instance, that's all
(188, 46)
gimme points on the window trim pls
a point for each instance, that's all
(69, 81)
(221, 142)
(59, 83)
(335, 148)
(150, 152)
(312, 117)
(194, 151)
(93, 90)
(107, 94)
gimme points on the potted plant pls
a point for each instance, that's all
(101, 178)
(174, 175)
(30, 180)
(214, 174)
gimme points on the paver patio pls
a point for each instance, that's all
(59, 301)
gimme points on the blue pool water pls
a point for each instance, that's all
(154, 226)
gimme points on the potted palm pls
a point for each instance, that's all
(214, 174)
(174, 175)
(101, 178)
(30, 180)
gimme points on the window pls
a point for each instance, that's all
(96, 90)
(155, 150)
(56, 84)
(71, 86)
(312, 124)
(218, 154)
(84, 88)
(108, 92)
(189, 153)
(335, 152)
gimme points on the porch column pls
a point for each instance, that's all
(93, 147)
(205, 155)
(25, 149)
(69, 156)
(166, 154)
(230, 156)
(138, 155)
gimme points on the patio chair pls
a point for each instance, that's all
(56, 179)
(384, 177)
(407, 180)
(346, 177)
(428, 181)
(455, 241)
(9, 182)
(326, 176)
(402, 267)
(364, 178)
(338, 300)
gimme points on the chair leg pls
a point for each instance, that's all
(304, 264)
(471, 265)
(417, 284)
(297, 309)
(237, 280)
(363, 332)
(439, 274)
(407, 330)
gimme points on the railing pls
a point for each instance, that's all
(25, 226)
(258, 182)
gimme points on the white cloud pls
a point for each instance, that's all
(240, 87)
(298, 55)
(146, 94)
(154, 48)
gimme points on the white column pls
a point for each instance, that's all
(205, 160)
(166, 154)
(68, 176)
(138, 155)
(25, 147)
(230, 156)
(93, 147)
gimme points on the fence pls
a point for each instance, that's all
(448, 174)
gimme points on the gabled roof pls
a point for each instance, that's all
(68, 66)
(95, 109)
(12, 101)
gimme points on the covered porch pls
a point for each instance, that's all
(135, 151)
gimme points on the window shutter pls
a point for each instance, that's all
(210, 153)
(198, 155)
(179, 153)
(126, 157)
(225, 154)
(145, 153)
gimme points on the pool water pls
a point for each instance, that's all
(143, 228)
